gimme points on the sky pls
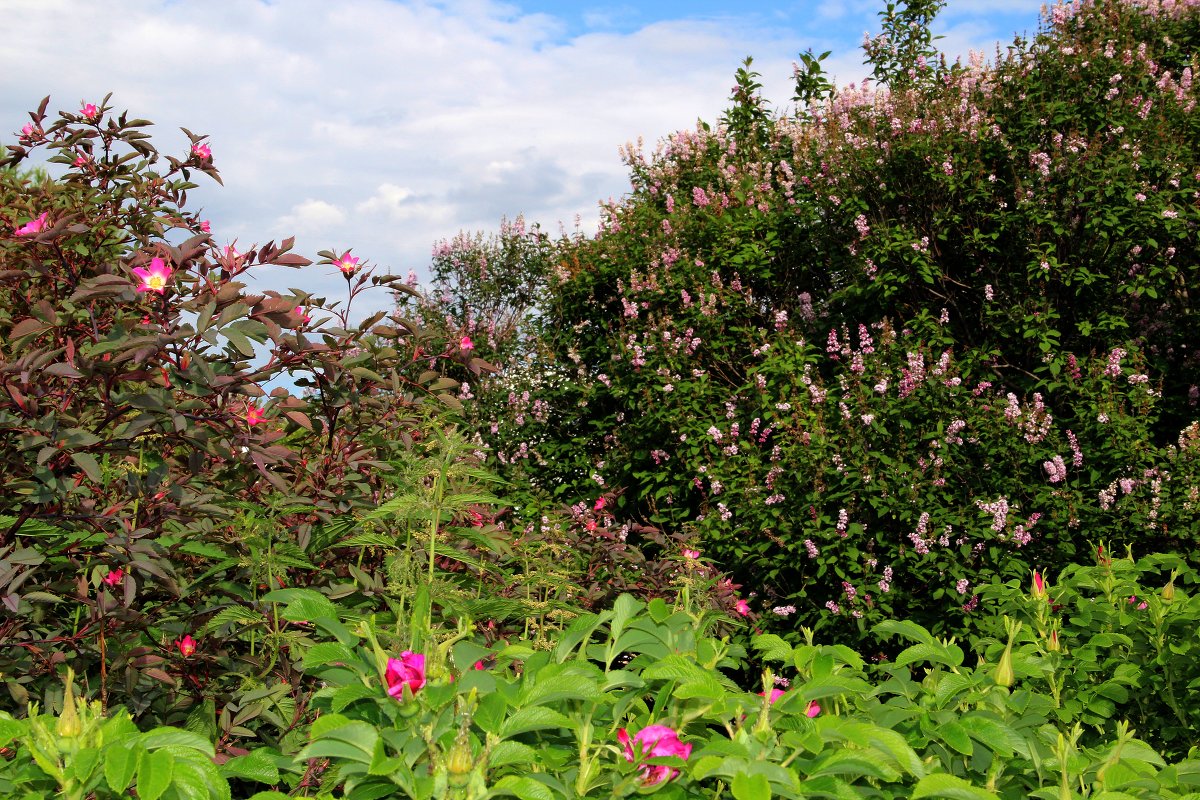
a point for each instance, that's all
(386, 126)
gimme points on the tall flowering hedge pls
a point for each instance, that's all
(911, 340)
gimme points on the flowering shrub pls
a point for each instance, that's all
(920, 338)
(177, 444)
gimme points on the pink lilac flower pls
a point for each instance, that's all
(202, 152)
(654, 741)
(407, 670)
(33, 226)
(155, 278)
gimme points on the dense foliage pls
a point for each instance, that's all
(856, 456)
(917, 337)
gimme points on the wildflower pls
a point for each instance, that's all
(407, 670)
(691, 554)
(348, 264)
(114, 577)
(742, 607)
(254, 415)
(812, 710)
(155, 278)
(89, 111)
(206, 226)
(186, 645)
(304, 318)
(81, 161)
(202, 152)
(599, 504)
(654, 741)
(465, 344)
(33, 226)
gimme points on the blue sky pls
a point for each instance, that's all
(386, 125)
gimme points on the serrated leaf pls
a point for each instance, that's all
(532, 718)
(935, 652)
(154, 774)
(523, 787)
(905, 628)
(256, 765)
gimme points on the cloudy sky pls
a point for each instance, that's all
(387, 125)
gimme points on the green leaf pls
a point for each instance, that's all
(523, 787)
(177, 737)
(87, 462)
(772, 648)
(532, 718)
(328, 653)
(935, 652)
(904, 628)
(303, 605)
(154, 774)
(954, 735)
(257, 765)
(950, 787)
(750, 787)
(507, 753)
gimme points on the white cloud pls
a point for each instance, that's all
(420, 117)
(314, 215)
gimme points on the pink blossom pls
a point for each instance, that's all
(205, 226)
(254, 415)
(81, 161)
(89, 111)
(348, 264)
(155, 278)
(654, 741)
(33, 226)
(407, 670)
(304, 317)
(692, 554)
(775, 695)
(186, 646)
(465, 344)
(812, 710)
(114, 577)
(742, 607)
(599, 506)
(202, 152)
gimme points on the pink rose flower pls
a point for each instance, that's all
(742, 607)
(32, 227)
(155, 278)
(654, 741)
(89, 111)
(202, 152)
(407, 670)
(186, 645)
(465, 344)
(348, 264)
(114, 577)
(254, 415)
